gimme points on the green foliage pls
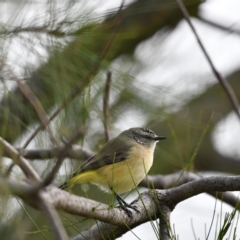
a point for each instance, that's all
(227, 223)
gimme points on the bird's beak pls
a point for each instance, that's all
(158, 138)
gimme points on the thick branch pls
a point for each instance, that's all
(153, 201)
(168, 198)
(210, 184)
(179, 178)
(73, 204)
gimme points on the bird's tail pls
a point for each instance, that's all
(66, 184)
(78, 178)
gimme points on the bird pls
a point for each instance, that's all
(120, 165)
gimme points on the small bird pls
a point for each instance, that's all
(120, 165)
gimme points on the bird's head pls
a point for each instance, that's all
(144, 136)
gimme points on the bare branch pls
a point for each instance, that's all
(53, 218)
(106, 105)
(25, 191)
(210, 184)
(20, 161)
(170, 180)
(77, 90)
(51, 175)
(49, 178)
(223, 81)
(29, 94)
(54, 32)
(167, 198)
(170, 198)
(9, 169)
(91, 209)
(218, 25)
(151, 199)
(13, 187)
(75, 152)
(164, 224)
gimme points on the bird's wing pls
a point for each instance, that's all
(113, 152)
(99, 161)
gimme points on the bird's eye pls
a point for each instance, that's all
(148, 131)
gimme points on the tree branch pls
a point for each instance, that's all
(164, 225)
(44, 29)
(26, 90)
(170, 180)
(20, 161)
(25, 191)
(53, 218)
(73, 204)
(168, 198)
(75, 152)
(106, 105)
(49, 178)
(210, 184)
(151, 204)
(223, 81)
(218, 25)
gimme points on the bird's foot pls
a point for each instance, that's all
(124, 205)
(126, 209)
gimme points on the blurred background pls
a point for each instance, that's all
(160, 80)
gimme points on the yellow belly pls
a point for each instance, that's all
(124, 176)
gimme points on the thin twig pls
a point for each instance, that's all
(75, 152)
(20, 161)
(9, 169)
(77, 90)
(222, 80)
(55, 32)
(106, 105)
(29, 94)
(53, 218)
(50, 177)
(218, 25)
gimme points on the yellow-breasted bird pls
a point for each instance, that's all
(120, 165)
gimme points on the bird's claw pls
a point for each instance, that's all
(127, 211)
